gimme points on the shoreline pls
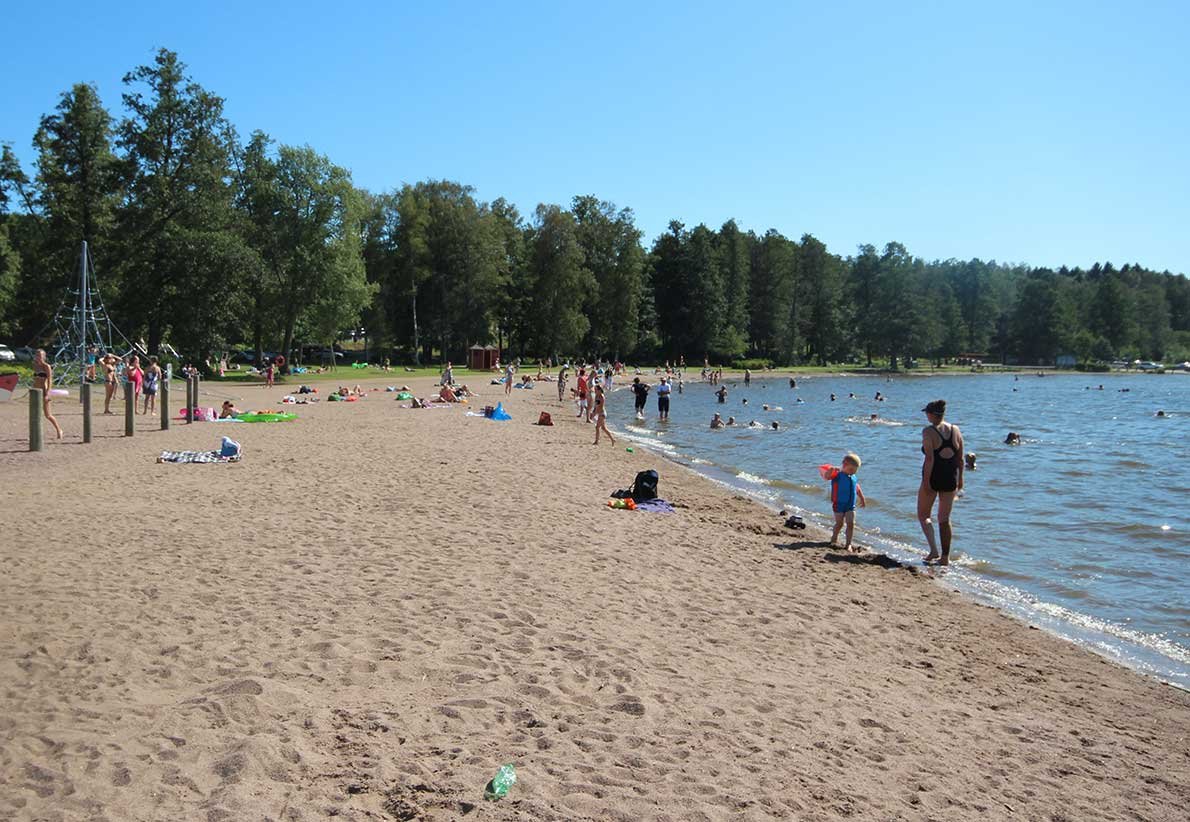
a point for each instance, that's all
(379, 606)
(1028, 613)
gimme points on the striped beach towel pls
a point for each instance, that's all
(195, 456)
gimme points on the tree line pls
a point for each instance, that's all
(210, 241)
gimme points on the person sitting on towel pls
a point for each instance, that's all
(228, 411)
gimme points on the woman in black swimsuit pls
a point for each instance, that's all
(43, 378)
(941, 477)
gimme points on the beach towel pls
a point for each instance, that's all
(8, 385)
(655, 506)
(197, 456)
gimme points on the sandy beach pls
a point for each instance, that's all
(379, 606)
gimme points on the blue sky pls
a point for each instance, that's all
(1046, 133)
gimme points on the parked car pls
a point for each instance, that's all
(321, 355)
(1149, 366)
(7, 354)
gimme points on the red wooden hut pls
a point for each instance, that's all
(483, 357)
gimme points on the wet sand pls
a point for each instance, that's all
(379, 606)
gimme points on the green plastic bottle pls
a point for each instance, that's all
(501, 782)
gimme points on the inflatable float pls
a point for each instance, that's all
(266, 416)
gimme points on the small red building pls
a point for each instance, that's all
(483, 357)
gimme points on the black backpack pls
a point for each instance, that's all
(645, 486)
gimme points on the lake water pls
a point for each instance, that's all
(1083, 529)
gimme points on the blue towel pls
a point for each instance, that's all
(657, 506)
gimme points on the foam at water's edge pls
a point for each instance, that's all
(1149, 654)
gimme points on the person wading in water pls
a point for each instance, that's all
(941, 477)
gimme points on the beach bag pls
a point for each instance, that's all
(545, 419)
(645, 485)
(229, 448)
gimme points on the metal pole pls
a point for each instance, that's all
(85, 394)
(169, 372)
(129, 410)
(35, 409)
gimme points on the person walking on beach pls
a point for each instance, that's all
(268, 374)
(580, 392)
(561, 385)
(448, 374)
(663, 391)
(941, 478)
(43, 378)
(845, 493)
(152, 380)
(509, 372)
(600, 413)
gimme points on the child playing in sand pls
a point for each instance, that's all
(845, 492)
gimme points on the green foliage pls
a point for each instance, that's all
(612, 253)
(176, 145)
(558, 281)
(752, 365)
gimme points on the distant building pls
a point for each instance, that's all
(1065, 361)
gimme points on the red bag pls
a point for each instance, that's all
(544, 419)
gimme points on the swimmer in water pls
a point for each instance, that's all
(970, 458)
(731, 420)
(776, 425)
(716, 422)
(1013, 438)
(832, 397)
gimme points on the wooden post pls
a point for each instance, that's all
(129, 410)
(189, 400)
(196, 400)
(164, 399)
(85, 397)
(35, 410)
